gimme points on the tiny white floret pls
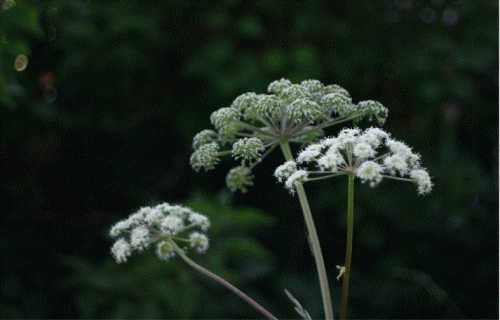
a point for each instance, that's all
(154, 216)
(370, 171)
(119, 227)
(199, 241)
(348, 136)
(423, 181)
(139, 238)
(121, 250)
(199, 220)
(396, 163)
(330, 162)
(374, 136)
(172, 225)
(363, 150)
(298, 176)
(309, 153)
(398, 147)
(285, 170)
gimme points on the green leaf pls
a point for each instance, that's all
(301, 311)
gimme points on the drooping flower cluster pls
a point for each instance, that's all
(162, 224)
(370, 155)
(255, 124)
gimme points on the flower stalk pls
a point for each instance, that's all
(370, 156)
(313, 239)
(348, 255)
(226, 284)
(165, 225)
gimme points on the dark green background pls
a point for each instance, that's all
(101, 123)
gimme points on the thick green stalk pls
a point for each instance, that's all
(348, 254)
(314, 241)
(222, 281)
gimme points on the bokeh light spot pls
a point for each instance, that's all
(450, 16)
(7, 4)
(21, 62)
(50, 95)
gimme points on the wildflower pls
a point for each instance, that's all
(421, 177)
(330, 161)
(154, 216)
(121, 250)
(239, 178)
(206, 156)
(164, 224)
(370, 155)
(370, 171)
(199, 220)
(204, 137)
(309, 153)
(255, 124)
(285, 170)
(164, 250)
(363, 150)
(172, 225)
(119, 227)
(198, 241)
(298, 176)
(396, 163)
(248, 149)
(139, 238)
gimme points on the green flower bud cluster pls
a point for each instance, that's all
(254, 124)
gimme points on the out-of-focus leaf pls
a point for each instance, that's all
(248, 219)
(22, 17)
(245, 247)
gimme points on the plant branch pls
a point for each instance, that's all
(348, 255)
(237, 291)
(313, 238)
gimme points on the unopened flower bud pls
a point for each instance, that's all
(239, 178)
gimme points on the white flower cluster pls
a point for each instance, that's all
(163, 222)
(370, 155)
(254, 124)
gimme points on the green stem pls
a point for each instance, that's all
(348, 254)
(237, 291)
(313, 238)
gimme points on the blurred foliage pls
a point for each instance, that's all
(99, 102)
(20, 24)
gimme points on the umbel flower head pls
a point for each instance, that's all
(370, 155)
(254, 124)
(162, 224)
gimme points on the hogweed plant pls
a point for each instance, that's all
(250, 129)
(168, 226)
(370, 156)
(255, 124)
